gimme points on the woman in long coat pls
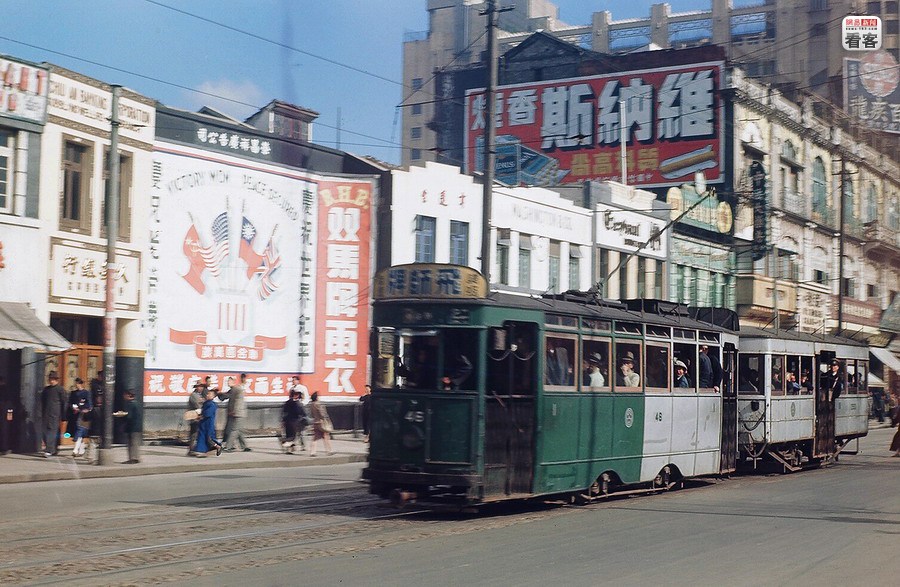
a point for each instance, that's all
(206, 432)
(322, 426)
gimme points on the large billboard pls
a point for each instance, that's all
(235, 278)
(872, 90)
(569, 130)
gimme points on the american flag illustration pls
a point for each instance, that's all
(214, 255)
(271, 261)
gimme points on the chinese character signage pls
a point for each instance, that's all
(872, 90)
(760, 211)
(861, 33)
(342, 280)
(78, 275)
(229, 277)
(566, 131)
(424, 280)
(704, 211)
(23, 91)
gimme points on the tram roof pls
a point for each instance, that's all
(791, 341)
(657, 312)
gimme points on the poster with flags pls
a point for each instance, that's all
(231, 280)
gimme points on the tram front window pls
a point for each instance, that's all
(427, 359)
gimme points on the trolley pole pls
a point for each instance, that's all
(109, 321)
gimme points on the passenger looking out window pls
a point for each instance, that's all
(681, 378)
(628, 371)
(594, 365)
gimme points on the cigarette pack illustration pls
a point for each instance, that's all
(517, 164)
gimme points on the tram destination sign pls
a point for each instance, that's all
(425, 280)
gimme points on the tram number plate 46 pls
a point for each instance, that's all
(414, 416)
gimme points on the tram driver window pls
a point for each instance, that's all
(418, 363)
(777, 375)
(559, 366)
(628, 366)
(852, 379)
(749, 369)
(460, 359)
(511, 361)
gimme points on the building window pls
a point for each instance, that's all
(820, 277)
(415, 132)
(7, 172)
(818, 5)
(658, 281)
(425, 226)
(524, 267)
(553, 265)
(416, 84)
(602, 266)
(873, 7)
(75, 209)
(574, 272)
(871, 204)
(847, 287)
(642, 277)
(894, 213)
(416, 154)
(459, 242)
(125, 175)
(819, 186)
(871, 291)
(849, 198)
(503, 264)
(417, 108)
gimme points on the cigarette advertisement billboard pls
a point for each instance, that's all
(872, 90)
(569, 130)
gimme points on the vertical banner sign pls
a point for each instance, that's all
(760, 210)
(343, 279)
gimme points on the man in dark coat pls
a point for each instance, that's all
(53, 406)
(134, 427)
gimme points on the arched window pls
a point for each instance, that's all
(871, 206)
(819, 185)
(849, 198)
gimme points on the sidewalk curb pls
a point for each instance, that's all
(88, 471)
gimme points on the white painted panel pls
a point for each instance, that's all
(707, 462)
(657, 424)
(851, 415)
(650, 466)
(684, 423)
(791, 418)
(752, 423)
(709, 422)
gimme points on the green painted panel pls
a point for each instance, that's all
(450, 422)
(560, 427)
(628, 435)
(384, 440)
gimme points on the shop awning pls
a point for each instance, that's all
(874, 381)
(886, 357)
(20, 328)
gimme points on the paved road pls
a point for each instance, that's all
(315, 526)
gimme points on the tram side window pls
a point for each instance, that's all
(595, 365)
(852, 379)
(657, 367)
(460, 359)
(628, 366)
(807, 376)
(559, 366)
(511, 359)
(687, 354)
(777, 375)
(749, 369)
(792, 375)
(862, 374)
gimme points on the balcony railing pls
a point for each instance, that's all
(824, 216)
(793, 202)
(877, 233)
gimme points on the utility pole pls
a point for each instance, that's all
(840, 308)
(490, 135)
(109, 321)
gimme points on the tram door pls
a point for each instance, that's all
(729, 410)
(824, 409)
(509, 409)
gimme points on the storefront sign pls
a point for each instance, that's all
(343, 277)
(813, 308)
(539, 219)
(421, 280)
(568, 130)
(857, 312)
(711, 213)
(23, 91)
(78, 275)
(163, 386)
(701, 255)
(82, 103)
(628, 231)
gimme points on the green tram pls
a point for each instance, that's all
(479, 398)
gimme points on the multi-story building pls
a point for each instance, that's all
(793, 42)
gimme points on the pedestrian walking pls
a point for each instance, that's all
(82, 409)
(302, 389)
(322, 426)
(206, 431)
(195, 402)
(237, 411)
(895, 443)
(134, 427)
(364, 410)
(291, 413)
(53, 406)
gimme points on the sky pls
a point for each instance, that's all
(236, 56)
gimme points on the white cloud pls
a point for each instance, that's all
(239, 99)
